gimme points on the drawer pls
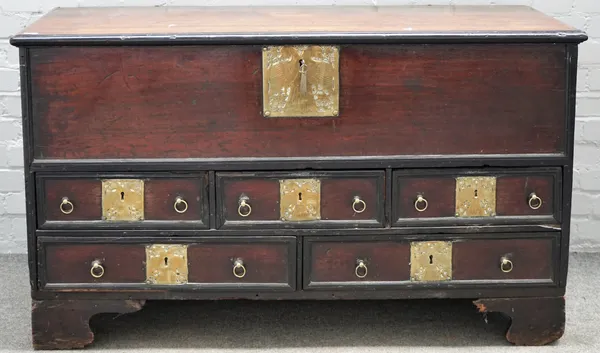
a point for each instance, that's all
(316, 199)
(205, 263)
(123, 201)
(394, 100)
(475, 196)
(367, 262)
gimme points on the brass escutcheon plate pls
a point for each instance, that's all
(430, 261)
(300, 199)
(476, 197)
(122, 200)
(166, 264)
(300, 81)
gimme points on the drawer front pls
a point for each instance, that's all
(325, 199)
(356, 262)
(123, 201)
(423, 197)
(366, 262)
(393, 100)
(206, 263)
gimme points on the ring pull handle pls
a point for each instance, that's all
(239, 270)
(421, 203)
(244, 208)
(535, 201)
(361, 269)
(66, 206)
(180, 205)
(359, 205)
(97, 269)
(506, 265)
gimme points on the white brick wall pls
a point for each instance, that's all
(584, 14)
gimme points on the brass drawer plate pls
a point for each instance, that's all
(300, 81)
(122, 200)
(476, 197)
(430, 261)
(300, 199)
(166, 264)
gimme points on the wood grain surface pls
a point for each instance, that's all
(206, 102)
(186, 20)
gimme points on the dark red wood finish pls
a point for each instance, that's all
(206, 101)
(386, 261)
(337, 195)
(533, 259)
(265, 263)
(84, 194)
(71, 263)
(512, 194)
(159, 197)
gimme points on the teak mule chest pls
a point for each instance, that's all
(297, 153)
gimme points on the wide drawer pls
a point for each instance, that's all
(207, 101)
(309, 199)
(206, 263)
(425, 197)
(124, 201)
(369, 262)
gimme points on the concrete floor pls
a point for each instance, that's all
(333, 326)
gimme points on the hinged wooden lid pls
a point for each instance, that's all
(287, 25)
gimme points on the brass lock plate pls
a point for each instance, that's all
(300, 199)
(476, 197)
(430, 261)
(166, 264)
(122, 200)
(300, 81)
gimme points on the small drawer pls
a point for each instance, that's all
(316, 199)
(205, 263)
(123, 201)
(367, 262)
(353, 262)
(501, 196)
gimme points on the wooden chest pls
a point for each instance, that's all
(297, 153)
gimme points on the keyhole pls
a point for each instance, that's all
(122, 195)
(166, 261)
(431, 259)
(299, 196)
(475, 193)
(301, 62)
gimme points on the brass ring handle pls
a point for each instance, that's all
(421, 200)
(361, 266)
(180, 201)
(237, 266)
(535, 201)
(97, 266)
(506, 265)
(65, 202)
(358, 201)
(244, 204)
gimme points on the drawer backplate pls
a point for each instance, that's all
(475, 196)
(300, 81)
(122, 200)
(166, 264)
(430, 261)
(300, 199)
